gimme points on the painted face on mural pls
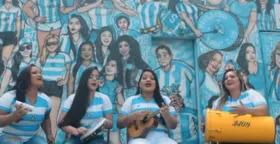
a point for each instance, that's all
(124, 48)
(74, 25)
(147, 82)
(25, 50)
(93, 80)
(250, 54)
(277, 58)
(36, 77)
(111, 68)
(52, 44)
(163, 57)
(86, 52)
(231, 81)
(215, 64)
(123, 24)
(106, 38)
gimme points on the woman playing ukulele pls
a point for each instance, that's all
(148, 98)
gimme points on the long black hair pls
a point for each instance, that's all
(84, 32)
(157, 95)
(23, 83)
(135, 58)
(80, 101)
(80, 59)
(241, 58)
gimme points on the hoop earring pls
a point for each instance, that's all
(20, 88)
(140, 90)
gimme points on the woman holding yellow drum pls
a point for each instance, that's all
(236, 99)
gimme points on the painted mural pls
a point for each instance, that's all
(188, 44)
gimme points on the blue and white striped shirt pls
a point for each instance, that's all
(249, 98)
(29, 125)
(148, 13)
(66, 46)
(179, 73)
(9, 18)
(54, 67)
(100, 17)
(48, 9)
(138, 103)
(266, 21)
(190, 10)
(98, 108)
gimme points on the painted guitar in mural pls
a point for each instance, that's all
(140, 128)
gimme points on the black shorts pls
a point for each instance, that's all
(8, 38)
(50, 88)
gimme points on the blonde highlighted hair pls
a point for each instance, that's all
(45, 51)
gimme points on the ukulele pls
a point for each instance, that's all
(140, 128)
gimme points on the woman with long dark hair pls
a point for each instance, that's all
(129, 62)
(103, 45)
(248, 61)
(85, 107)
(148, 97)
(78, 32)
(20, 124)
(84, 60)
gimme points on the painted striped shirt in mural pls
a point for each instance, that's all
(8, 18)
(100, 17)
(80, 71)
(148, 13)
(48, 9)
(54, 66)
(243, 10)
(179, 73)
(65, 46)
(266, 21)
(29, 125)
(182, 75)
(190, 9)
(138, 103)
(98, 108)
(22, 64)
(249, 98)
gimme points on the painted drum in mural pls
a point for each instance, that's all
(170, 23)
(221, 30)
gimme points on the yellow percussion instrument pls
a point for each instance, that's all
(226, 127)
